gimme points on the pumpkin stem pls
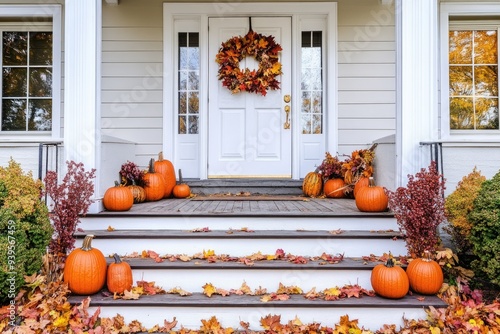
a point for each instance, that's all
(160, 156)
(87, 242)
(117, 184)
(371, 182)
(117, 258)
(151, 166)
(427, 256)
(390, 263)
(180, 176)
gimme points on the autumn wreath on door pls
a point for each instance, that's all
(264, 49)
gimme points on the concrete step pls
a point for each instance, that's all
(253, 186)
(372, 312)
(302, 242)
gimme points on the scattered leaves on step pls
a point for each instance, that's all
(328, 258)
(289, 290)
(149, 288)
(273, 297)
(200, 229)
(244, 289)
(127, 295)
(335, 232)
(243, 229)
(179, 291)
(152, 255)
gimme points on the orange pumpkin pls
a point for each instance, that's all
(154, 185)
(118, 198)
(85, 269)
(362, 182)
(181, 190)
(425, 275)
(389, 280)
(138, 193)
(312, 184)
(372, 198)
(334, 188)
(119, 277)
(166, 168)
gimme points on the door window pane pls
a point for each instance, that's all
(311, 82)
(188, 83)
(473, 83)
(26, 81)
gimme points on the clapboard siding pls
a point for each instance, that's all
(366, 71)
(132, 75)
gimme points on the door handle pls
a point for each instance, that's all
(287, 121)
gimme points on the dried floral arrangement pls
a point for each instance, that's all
(352, 168)
(130, 174)
(264, 49)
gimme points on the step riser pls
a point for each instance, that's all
(253, 223)
(234, 247)
(189, 317)
(193, 281)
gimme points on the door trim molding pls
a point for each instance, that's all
(201, 12)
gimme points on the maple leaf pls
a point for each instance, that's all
(223, 292)
(346, 326)
(271, 322)
(130, 295)
(312, 294)
(177, 290)
(352, 291)
(110, 228)
(208, 253)
(280, 253)
(211, 325)
(209, 289)
(167, 326)
(274, 296)
(292, 290)
(332, 293)
(150, 288)
(243, 290)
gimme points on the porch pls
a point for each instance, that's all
(328, 243)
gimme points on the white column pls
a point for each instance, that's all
(417, 72)
(82, 75)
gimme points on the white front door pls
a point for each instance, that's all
(247, 136)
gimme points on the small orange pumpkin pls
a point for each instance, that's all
(138, 193)
(181, 190)
(362, 182)
(154, 184)
(312, 184)
(119, 277)
(118, 198)
(389, 280)
(166, 168)
(425, 275)
(85, 269)
(334, 188)
(372, 198)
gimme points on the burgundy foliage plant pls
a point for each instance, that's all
(71, 199)
(419, 209)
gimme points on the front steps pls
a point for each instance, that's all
(169, 230)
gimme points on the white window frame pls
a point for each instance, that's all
(480, 12)
(34, 12)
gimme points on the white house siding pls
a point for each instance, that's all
(367, 73)
(132, 78)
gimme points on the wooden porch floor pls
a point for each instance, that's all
(281, 205)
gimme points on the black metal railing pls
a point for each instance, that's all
(436, 154)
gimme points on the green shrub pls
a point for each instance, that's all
(25, 229)
(457, 206)
(485, 232)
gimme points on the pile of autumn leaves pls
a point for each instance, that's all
(43, 307)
